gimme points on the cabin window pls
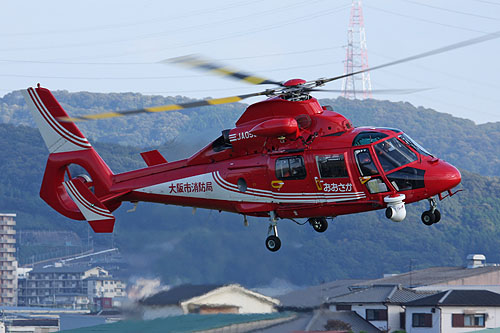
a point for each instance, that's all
(365, 138)
(392, 154)
(421, 320)
(291, 167)
(332, 166)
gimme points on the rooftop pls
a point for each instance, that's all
(178, 294)
(380, 294)
(357, 323)
(433, 275)
(459, 298)
(179, 324)
(314, 296)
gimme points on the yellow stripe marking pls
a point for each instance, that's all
(162, 108)
(254, 79)
(103, 115)
(69, 119)
(224, 100)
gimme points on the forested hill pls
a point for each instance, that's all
(459, 141)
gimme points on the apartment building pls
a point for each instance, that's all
(77, 287)
(8, 262)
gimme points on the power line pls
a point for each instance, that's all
(234, 35)
(131, 24)
(153, 77)
(452, 10)
(426, 20)
(159, 34)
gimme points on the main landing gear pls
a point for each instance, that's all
(432, 215)
(273, 243)
(319, 224)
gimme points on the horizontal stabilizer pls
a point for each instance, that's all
(153, 157)
(94, 211)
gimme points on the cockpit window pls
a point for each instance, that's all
(412, 143)
(365, 138)
(365, 162)
(392, 154)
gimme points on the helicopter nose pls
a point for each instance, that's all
(442, 176)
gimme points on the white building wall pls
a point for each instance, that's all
(492, 319)
(393, 317)
(436, 322)
(247, 303)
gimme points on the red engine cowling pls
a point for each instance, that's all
(287, 127)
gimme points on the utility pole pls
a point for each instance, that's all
(356, 59)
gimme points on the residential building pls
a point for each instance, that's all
(77, 287)
(454, 311)
(206, 299)
(380, 305)
(8, 262)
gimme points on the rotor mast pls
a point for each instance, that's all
(356, 57)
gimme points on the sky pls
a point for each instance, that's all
(116, 46)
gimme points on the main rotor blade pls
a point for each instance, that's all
(376, 91)
(444, 49)
(197, 62)
(163, 108)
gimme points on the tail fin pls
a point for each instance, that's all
(59, 137)
(67, 146)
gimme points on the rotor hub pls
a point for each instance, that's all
(294, 82)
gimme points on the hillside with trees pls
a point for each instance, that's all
(212, 247)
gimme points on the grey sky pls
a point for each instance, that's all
(113, 46)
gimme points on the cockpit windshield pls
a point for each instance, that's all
(412, 143)
(392, 154)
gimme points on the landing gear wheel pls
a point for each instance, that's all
(437, 214)
(319, 224)
(428, 218)
(273, 243)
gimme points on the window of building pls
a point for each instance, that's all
(332, 166)
(344, 307)
(376, 314)
(421, 320)
(468, 320)
(291, 167)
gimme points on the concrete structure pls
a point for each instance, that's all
(454, 311)
(77, 287)
(206, 299)
(8, 262)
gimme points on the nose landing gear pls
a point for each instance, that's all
(432, 215)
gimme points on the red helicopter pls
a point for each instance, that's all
(287, 158)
